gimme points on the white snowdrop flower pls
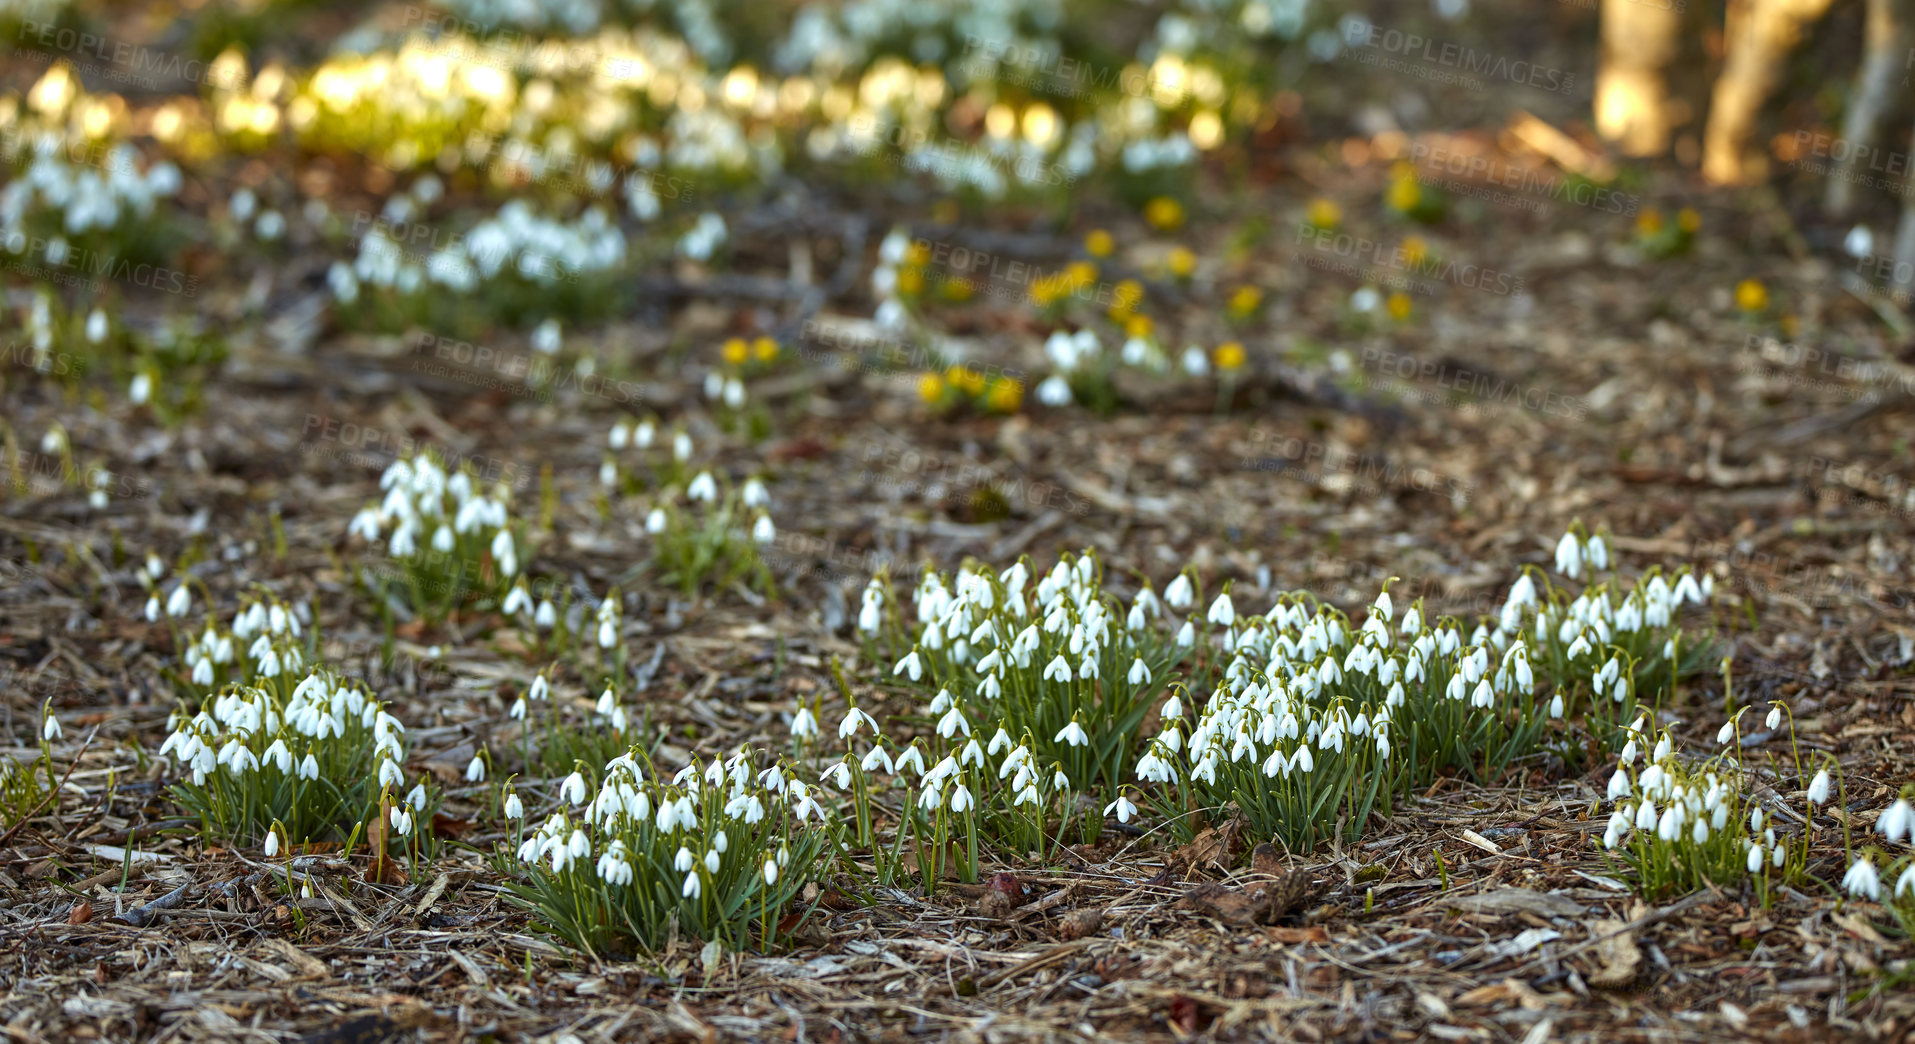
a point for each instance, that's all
(417, 797)
(1073, 734)
(1597, 552)
(1569, 557)
(909, 666)
(1054, 391)
(655, 521)
(762, 530)
(1058, 670)
(1618, 785)
(1173, 708)
(1755, 858)
(1124, 808)
(755, 494)
(50, 729)
(1187, 635)
(1556, 705)
(804, 725)
(1669, 827)
(1222, 612)
(547, 616)
(518, 709)
(1646, 817)
(401, 821)
(389, 774)
(1726, 732)
(681, 447)
(1905, 884)
(546, 339)
(620, 436)
(692, 887)
(1140, 675)
(573, 789)
(1179, 594)
(152, 609)
(96, 326)
(771, 872)
(912, 758)
(1701, 832)
(1819, 788)
(141, 390)
(179, 603)
(1663, 747)
(1862, 881)
(1898, 822)
(711, 860)
(1774, 720)
(514, 808)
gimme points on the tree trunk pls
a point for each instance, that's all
(1760, 35)
(1891, 26)
(1639, 41)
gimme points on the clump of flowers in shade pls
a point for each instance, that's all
(454, 543)
(317, 764)
(715, 852)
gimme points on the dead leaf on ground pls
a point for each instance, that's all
(1618, 955)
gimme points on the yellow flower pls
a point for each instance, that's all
(931, 388)
(910, 280)
(1004, 396)
(1045, 290)
(1099, 243)
(1688, 220)
(1229, 356)
(1399, 306)
(1415, 250)
(1751, 295)
(958, 290)
(1244, 301)
(765, 349)
(1405, 193)
(1079, 274)
(965, 379)
(1649, 222)
(1788, 324)
(1325, 214)
(1128, 295)
(735, 351)
(1182, 262)
(918, 254)
(1164, 214)
(1138, 326)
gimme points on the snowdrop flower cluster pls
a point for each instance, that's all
(515, 243)
(1058, 666)
(1896, 827)
(316, 760)
(264, 645)
(80, 203)
(715, 535)
(721, 846)
(1678, 823)
(451, 536)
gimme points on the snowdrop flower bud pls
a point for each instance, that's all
(152, 609)
(1556, 705)
(1187, 635)
(514, 808)
(1569, 559)
(771, 872)
(1178, 595)
(711, 860)
(50, 728)
(1861, 881)
(141, 389)
(1726, 732)
(1646, 815)
(703, 487)
(1898, 822)
(1222, 612)
(762, 530)
(1819, 788)
(1755, 858)
(573, 789)
(1663, 747)
(1774, 720)
(179, 602)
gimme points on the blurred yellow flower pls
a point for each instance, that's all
(918, 254)
(735, 351)
(1688, 220)
(1229, 356)
(1099, 243)
(1164, 214)
(1751, 295)
(1182, 262)
(931, 388)
(1415, 250)
(765, 349)
(1138, 326)
(910, 280)
(958, 290)
(1079, 274)
(1128, 295)
(965, 379)
(1244, 301)
(1325, 214)
(1004, 396)
(1405, 193)
(1399, 306)
(1649, 222)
